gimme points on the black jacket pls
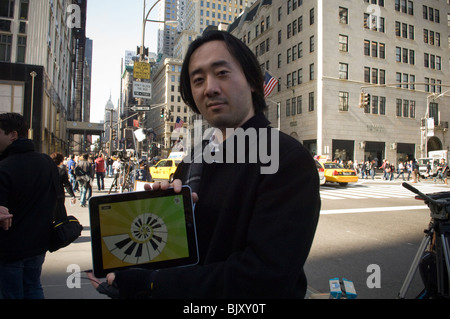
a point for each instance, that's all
(26, 189)
(254, 231)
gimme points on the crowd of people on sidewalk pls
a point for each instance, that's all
(82, 171)
(406, 170)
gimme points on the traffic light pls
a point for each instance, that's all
(361, 100)
(162, 113)
(169, 115)
(113, 134)
(366, 99)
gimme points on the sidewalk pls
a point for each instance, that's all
(60, 267)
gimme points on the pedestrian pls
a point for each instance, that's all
(28, 194)
(142, 173)
(58, 158)
(373, 169)
(109, 163)
(254, 229)
(400, 170)
(363, 169)
(100, 171)
(415, 171)
(84, 174)
(441, 171)
(409, 169)
(71, 171)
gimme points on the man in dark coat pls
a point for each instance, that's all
(255, 218)
(27, 193)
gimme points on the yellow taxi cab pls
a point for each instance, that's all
(336, 173)
(321, 172)
(164, 169)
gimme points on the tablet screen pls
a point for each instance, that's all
(149, 229)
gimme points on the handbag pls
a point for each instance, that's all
(65, 229)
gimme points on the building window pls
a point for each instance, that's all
(343, 43)
(374, 49)
(434, 112)
(343, 71)
(399, 107)
(311, 101)
(5, 47)
(367, 74)
(343, 101)
(299, 104)
(382, 105)
(300, 76)
(23, 14)
(21, 49)
(7, 9)
(343, 15)
(311, 72)
(374, 76)
(300, 50)
(374, 104)
(382, 48)
(367, 47)
(412, 109)
(288, 107)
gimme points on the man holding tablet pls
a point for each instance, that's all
(254, 228)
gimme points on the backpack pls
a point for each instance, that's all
(79, 171)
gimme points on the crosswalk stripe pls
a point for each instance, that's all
(361, 191)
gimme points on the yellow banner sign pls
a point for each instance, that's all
(141, 70)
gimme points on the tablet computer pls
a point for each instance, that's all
(146, 229)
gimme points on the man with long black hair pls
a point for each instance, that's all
(255, 227)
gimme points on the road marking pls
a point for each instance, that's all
(361, 191)
(371, 209)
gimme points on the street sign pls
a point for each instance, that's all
(141, 70)
(137, 108)
(142, 90)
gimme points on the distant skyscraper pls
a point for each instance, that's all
(194, 16)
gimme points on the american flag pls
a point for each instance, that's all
(269, 84)
(179, 123)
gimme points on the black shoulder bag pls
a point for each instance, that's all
(65, 229)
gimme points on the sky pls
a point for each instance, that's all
(115, 26)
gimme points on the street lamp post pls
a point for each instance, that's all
(142, 55)
(30, 131)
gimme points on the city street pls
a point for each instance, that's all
(369, 223)
(361, 225)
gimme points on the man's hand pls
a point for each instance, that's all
(5, 218)
(125, 284)
(163, 185)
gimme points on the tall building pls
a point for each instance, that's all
(39, 42)
(168, 11)
(328, 54)
(199, 15)
(168, 106)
